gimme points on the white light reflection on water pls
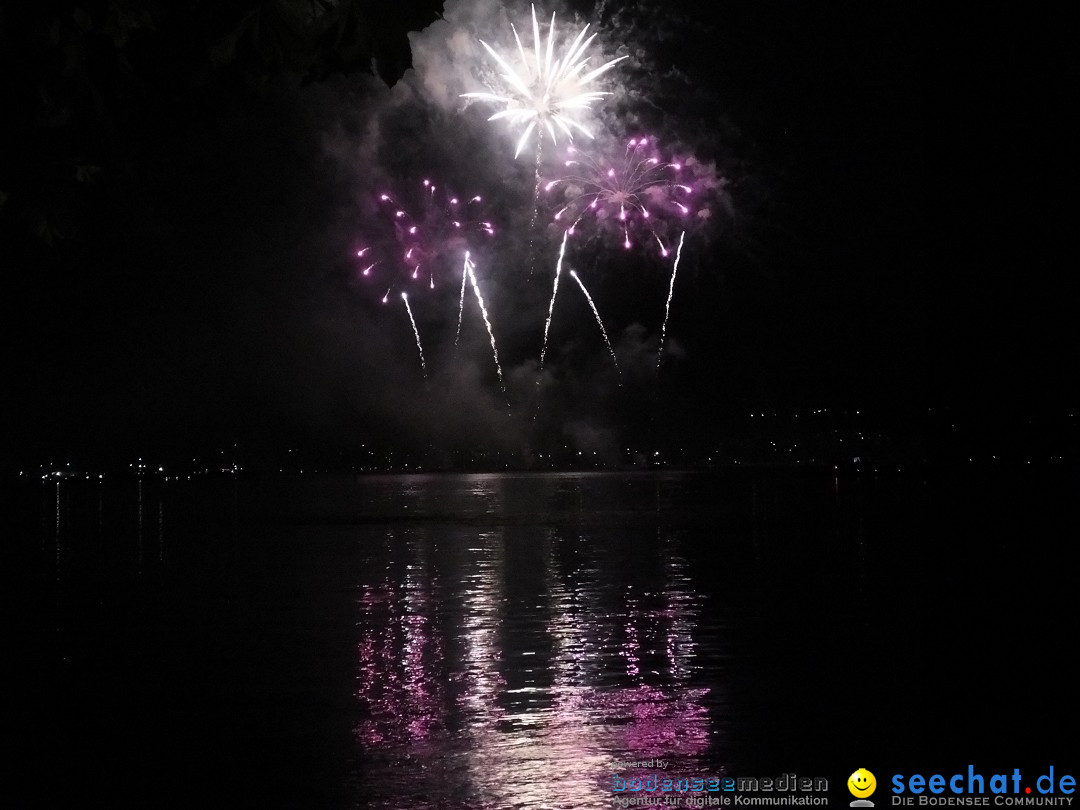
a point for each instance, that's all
(495, 669)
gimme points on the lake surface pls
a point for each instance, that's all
(499, 641)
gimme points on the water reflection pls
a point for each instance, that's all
(397, 653)
(508, 667)
(95, 530)
(139, 518)
(481, 642)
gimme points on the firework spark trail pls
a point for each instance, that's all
(367, 270)
(544, 91)
(599, 322)
(416, 332)
(536, 172)
(551, 306)
(535, 207)
(670, 292)
(461, 300)
(469, 266)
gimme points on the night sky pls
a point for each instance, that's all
(183, 187)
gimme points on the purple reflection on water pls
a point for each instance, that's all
(398, 655)
(469, 696)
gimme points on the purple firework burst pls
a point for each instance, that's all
(638, 195)
(432, 227)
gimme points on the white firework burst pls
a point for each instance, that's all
(547, 89)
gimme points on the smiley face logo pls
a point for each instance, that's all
(861, 783)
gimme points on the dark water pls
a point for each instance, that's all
(497, 641)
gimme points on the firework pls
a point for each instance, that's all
(546, 89)
(363, 254)
(670, 292)
(429, 222)
(461, 298)
(416, 332)
(599, 322)
(469, 270)
(551, 306)
(634, 195)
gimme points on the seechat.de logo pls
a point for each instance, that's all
(974, 789)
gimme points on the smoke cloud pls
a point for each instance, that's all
(386, 141)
